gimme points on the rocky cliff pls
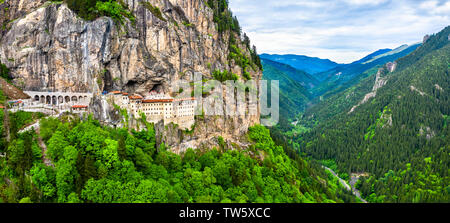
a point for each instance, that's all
(49, 48)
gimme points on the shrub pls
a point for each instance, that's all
(92, 9)
(4, 72)
(155, 11)
(224, 76)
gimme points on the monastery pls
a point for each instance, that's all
(158, 107)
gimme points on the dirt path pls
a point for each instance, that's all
(353, 180)
(47, 161)
(350, 187)
(36, 126)
(6, 122)
(345, 184)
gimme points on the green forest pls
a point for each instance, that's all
(400, 138)
(86, 162)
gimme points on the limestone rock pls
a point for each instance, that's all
(49, 48)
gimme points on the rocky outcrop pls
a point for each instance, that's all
(11, 10)
(49, 48)
(391, 66)
(11, 91)
(380, 81)
(427, 132)
(439, 87)
(425, 39)
(413, 88)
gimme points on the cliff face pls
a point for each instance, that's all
(49, 48)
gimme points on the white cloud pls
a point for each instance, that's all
(343, 31)
(435, 7)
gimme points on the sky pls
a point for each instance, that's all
(340, 30)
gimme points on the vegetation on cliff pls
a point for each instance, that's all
(92, 9)
(4, 72)
(227, 23)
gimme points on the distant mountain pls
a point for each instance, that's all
(339, 76)
(294, 96)
(392, 127)
(384, 53)
(311, 65)
(304, 78)
(372, 55)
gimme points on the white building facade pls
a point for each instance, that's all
(159, 107)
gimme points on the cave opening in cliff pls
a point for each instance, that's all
(109, 83)
(157, 88)
(131, 86)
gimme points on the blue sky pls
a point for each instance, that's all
(340, 30)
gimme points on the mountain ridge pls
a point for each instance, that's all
(398, 137)
(294, 95)
(311, 65)
(304, 78)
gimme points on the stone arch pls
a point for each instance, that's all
(42, 100)
(67, 99)
(74, 98)
(80, 99)
(48, 99)
(54, 100)
(36, 98)
(86, 99)
(60, 99)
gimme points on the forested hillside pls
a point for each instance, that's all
(91, 163)
(307, 80)
(340, 78)
(338, 100)
(294, 92)
(400, 137)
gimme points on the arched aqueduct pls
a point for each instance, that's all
(58, 98)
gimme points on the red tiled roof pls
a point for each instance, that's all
(2, 107)
(135, 97)
(116, 92)
(124, 93)
(79, 106)
(157, 100)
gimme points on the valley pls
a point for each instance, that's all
(389, 121)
